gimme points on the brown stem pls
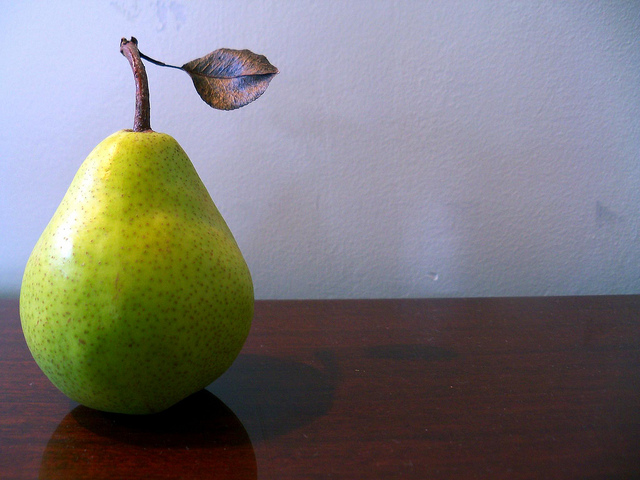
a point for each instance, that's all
(141, 119)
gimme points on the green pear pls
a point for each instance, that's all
(136, 295)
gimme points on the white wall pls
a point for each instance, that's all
(407, 148)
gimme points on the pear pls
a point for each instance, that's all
(136, 295)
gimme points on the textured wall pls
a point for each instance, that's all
(406, 149)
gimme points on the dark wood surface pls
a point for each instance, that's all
(508, 388)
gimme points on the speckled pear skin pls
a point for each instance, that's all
(136, 295)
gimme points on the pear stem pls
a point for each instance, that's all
(142, 117)
(158, 62)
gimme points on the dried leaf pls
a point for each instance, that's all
(228, 79)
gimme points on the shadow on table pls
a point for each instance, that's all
(275, 395)
(408, 352)
(199, 437)
(213, 431)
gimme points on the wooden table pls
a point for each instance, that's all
(511, 388)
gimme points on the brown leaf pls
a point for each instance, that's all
(228, 79)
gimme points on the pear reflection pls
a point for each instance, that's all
(198, 438)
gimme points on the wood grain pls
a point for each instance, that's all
(440, 388)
